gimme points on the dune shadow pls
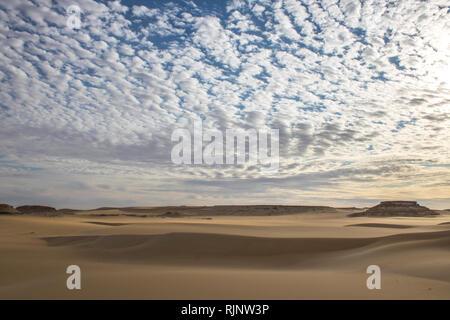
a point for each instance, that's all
(380, 225)
(111, 224)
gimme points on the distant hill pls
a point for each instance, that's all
(38, 211)
(396, 209)
(219, 210)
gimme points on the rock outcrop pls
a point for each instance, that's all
(38, 210)
(396, 209)
(7, 209)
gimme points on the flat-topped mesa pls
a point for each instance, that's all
(399, 203)
(396, 209)
(37, 210)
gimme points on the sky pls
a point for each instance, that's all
(359, 91)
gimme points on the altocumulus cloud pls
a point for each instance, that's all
(359, 91)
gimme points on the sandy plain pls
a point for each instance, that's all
(305, 255)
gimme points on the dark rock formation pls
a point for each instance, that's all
(396, 209)
(171, 214)
(7, 209)
(66, 211)
(39, 210)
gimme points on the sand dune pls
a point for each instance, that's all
(239, 251)
(204, 249)
(295, 256)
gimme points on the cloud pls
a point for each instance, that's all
(343, 81)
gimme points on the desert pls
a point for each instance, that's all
(225, 149)
(223, 252)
